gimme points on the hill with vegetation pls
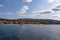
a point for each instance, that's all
(28, 21)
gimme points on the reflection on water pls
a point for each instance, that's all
(29, 32)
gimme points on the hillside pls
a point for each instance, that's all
(28, 21)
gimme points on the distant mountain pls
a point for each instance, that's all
(28, 21)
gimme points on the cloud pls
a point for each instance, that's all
(50, 1)
(57, 8)
(56, 12)
(40, 13)
(1, 5)
(27, 1)
(23, 10)
(36, 14)
(54, 4)
(56, 15)
(25, 7)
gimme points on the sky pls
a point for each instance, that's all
(36, 9)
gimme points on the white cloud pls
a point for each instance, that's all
(56, 16)
(51, 1)
(39, 13)
(23, 10)
(25, 7)
(35, 14)
(56, 10)
(27, 1)
(1, 5)
(44, 13)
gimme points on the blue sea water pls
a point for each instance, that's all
(29, 32)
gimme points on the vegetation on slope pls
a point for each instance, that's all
(28, 21)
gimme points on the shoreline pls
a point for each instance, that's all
(29, 21)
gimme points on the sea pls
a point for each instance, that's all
(29, 32)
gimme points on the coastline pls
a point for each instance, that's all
(28, 21)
